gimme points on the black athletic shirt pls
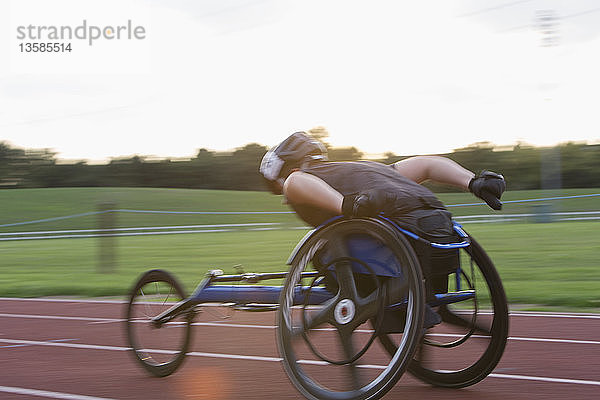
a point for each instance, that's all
(353, 177)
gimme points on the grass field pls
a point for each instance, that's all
(550, 264)
(23, 205)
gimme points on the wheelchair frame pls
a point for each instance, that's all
(208, 292)
(255, 297)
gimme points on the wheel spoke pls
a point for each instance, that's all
(148, 310)
(168, 295)
(349, 352)
(320, 317)
(346, 282)
(369, 307)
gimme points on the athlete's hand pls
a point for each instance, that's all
(365, 204)
(489, 187)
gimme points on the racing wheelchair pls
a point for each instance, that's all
(357, 309)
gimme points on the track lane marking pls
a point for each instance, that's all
(279, 359)
(93, 320)
(35, 299)
(71, 345)
(60, 317)
(582, 316)
(25, 345)
(545, 379)
(99, 301)
(49, 394)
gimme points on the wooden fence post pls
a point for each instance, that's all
(107, 221)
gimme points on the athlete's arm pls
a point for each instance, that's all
(488, 186)
(307, 189)
(435, 168)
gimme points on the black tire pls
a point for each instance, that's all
(447, 360)
(354, 369)
(160, 350)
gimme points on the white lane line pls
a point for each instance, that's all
(517, 338)
(545, 379)
(71, 345)
(235, 356)
(574, 315)
(278, 359)
(523, 339)
(25, 345)
(225, 324)
(548, 314)
(46, 393)
(35, 299)
(571, 341)
(93, 320)
(107, 321)
(59, 317)
(100, 301)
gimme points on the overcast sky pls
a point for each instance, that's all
(415, 77)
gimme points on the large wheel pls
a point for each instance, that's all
(328, 350)
(159, 348)
(470, 341)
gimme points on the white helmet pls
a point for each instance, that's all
(293, 152)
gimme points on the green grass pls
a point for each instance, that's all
(554, 264)
(20, 205)
(70, 266)
(547, 265)
(34, 204)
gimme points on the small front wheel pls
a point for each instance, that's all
(160, 348)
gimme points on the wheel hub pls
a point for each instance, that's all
(344, 311)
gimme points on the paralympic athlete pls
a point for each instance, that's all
(318, 190)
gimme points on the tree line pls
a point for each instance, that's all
(570, 165)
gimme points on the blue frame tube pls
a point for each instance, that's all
(318, 295)
(244, 294)
(452, 297)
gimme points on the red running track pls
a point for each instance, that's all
(77, 350)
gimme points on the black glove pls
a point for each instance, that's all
(366, 204)
(489, 187)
